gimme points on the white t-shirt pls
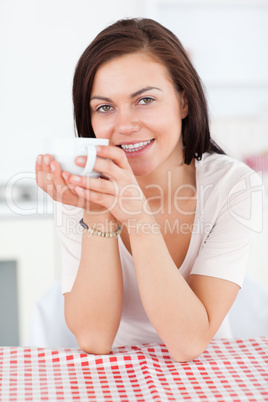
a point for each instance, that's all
(228, 211)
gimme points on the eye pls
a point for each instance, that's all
(104, 108)
(145, 100)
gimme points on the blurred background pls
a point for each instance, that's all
(40, 43)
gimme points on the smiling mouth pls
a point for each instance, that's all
(135, 147)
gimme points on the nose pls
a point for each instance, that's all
(126, 122)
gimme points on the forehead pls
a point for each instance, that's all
(133, 70)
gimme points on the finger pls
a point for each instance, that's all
(67, 180)
(56, 186)
(45, 182)
(57, 172)
(39, 163)
(43, 178)
(66, 175)
(61, 178)
(59, 181)
(105, 200)
(100, 185)
(80, 161)
(116, 154)
(71, 186)
(108, 169)
(39, 170)
(47, 159)
(48, 179)
(53, 182)
(88, 205)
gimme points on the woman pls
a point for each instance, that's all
(177, 266)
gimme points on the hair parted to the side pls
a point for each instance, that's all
(148, 36)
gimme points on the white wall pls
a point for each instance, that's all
(40, 43)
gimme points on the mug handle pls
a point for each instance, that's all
(91, 159)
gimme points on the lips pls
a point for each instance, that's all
(138, 146)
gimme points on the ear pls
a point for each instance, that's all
(184, 105)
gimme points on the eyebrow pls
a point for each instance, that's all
(139, 92)
(143, 90)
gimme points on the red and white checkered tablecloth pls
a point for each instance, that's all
(229, 370)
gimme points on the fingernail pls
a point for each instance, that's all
(46, 160)
(65, 175)
(76, 178)
(39, 159)
(53, 167)
(80, 159)
(77, 188)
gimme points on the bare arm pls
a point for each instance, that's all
(93, 307)
(185, 315)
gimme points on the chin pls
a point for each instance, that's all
(139, 170)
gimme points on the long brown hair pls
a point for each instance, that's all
(146, 35)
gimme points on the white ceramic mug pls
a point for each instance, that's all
(66, 149)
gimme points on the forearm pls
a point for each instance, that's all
(175, 311)
(93, 307)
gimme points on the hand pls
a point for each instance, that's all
(119, 192)
(51, 179)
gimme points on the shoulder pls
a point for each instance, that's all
(218, 166)
(229, 190)
(225, 172)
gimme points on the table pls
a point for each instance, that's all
(229, 370)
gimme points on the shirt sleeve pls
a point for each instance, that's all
(69, 232)
(224, 252)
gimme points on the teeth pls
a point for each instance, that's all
(135, 147)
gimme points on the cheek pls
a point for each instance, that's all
(101, 129)
(156, 121)
(165, 125)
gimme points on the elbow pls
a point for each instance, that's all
(186, 354)
(184, 357)
(92, 345)
(90, 341)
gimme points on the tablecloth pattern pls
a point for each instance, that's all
(229, 370)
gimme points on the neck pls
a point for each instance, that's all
(160, 187)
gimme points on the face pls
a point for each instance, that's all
(135, 105)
